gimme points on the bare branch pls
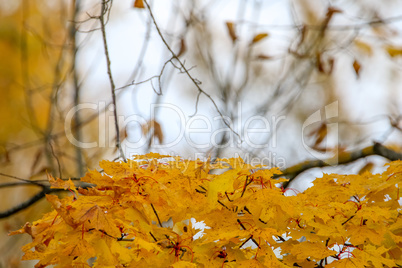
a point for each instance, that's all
(57, 159)
(23, 180)
(344, 158)
(195, 81)
(105, 10)
(28, 203)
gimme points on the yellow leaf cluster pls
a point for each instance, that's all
(141, 214)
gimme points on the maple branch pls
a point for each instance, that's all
(187, 71)
(38, 196)
(104, 10)
(22, 180)
(57, 159)
(46, 190)
(344, 158)
(77, 87)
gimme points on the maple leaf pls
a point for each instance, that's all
(137, 215)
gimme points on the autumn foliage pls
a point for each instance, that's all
(137, 214)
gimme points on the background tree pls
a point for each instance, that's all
(224, 61)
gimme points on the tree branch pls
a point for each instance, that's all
(186, 71)
(104, 10)
(29, 202)
(344, 158)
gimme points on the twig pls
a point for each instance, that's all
(186, 71)
(196, 104)
(159, 220)
(77, 117)
(23, 180)
(29, 202)
(104, 10)
(57, 159)
(251, 237)
(153, 237)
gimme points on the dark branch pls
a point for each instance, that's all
(157, 216)
(29, 202)
(344, 158)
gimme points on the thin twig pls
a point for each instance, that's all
(153, 237)
(23, 180)
(77, 115)
(104, 11)
(186, 71)
(57, 159)
(157, 216)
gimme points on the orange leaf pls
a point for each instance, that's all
(320, 65)
(320, 134)
(139, 4)
(231, 30)
(356, 67)
(259, 37)
(59, 183)
(263, 57)
(363, 47)
(394, 51)
(183, 47)
(156, 129)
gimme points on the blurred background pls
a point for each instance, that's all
(273, 82)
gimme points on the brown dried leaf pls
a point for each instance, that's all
(263, 57)
(357, 67)
(320, 133)
(363, 47)
(156, 129)
(231, 30)
(258, 38)
(183, 47)
(331, 62)
(139, 4)
(333, 10)
(324, 65)
(394, 51)
(122, 134)
(320, 65)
